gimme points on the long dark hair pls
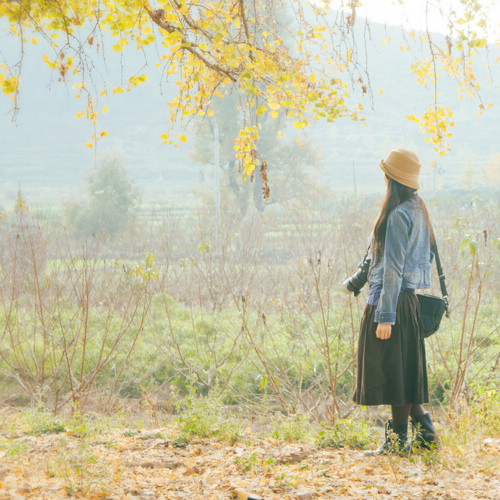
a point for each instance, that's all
(396, 194)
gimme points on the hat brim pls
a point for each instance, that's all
(409, 181)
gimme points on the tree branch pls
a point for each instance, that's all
(158, 17)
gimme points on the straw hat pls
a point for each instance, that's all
(403, 166)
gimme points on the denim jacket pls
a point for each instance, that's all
(406, 259)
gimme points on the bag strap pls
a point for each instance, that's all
(442, 277)
(442, 284)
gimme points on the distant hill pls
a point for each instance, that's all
(45, 148)
(349, 146)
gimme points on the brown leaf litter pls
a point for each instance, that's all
(149, 466)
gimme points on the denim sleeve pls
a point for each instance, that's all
(396, 243)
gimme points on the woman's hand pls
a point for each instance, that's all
(384, 331)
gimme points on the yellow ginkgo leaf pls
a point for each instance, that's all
(49, 63)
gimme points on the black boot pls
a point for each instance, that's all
(425, 435)
(395, 440)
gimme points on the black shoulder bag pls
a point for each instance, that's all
(432, 308)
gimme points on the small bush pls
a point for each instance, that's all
(205, 417)
(295, 427)
(352, 433)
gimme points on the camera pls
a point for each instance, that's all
(358, 280)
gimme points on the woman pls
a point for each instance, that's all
(391, 351)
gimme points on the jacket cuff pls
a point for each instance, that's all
(385, 317)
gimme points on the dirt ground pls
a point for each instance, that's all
(155, 464)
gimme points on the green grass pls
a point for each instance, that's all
(248, 332)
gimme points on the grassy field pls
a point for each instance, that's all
(184, 360)
(252, 314)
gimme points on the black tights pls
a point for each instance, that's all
(400, 414)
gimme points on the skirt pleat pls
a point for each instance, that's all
(392, 371)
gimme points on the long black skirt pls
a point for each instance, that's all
(392, 371)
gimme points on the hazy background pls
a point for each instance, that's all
(44, 151)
